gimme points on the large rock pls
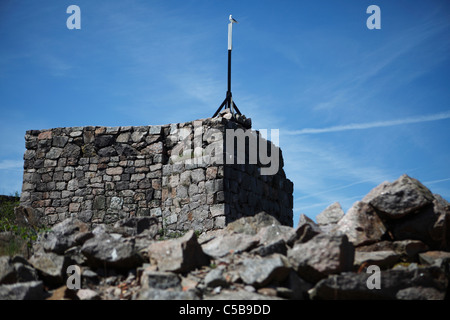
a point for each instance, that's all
(27, 216)
(383, 259)
(87, 294)
(422, 225)
(361, 224)
(32, 290)
(216, 278)
(299, 287)
(104, 250)
(436, 258)
(161, 294)
(305, 231)
(273, 239)
(405, 283)
(64, 235)
(239, 294)
(224, 244)
(441, 228)
(331, 215)
(406, 249)
(159, 279)
(270, 248)
(399, 198)
(7, 272)
(178, 255)
(51, 267)
(260, 272)
(137, 225)
(321, 256)
(430, 224)
(252, 224)
(274, 233)
(24, 271)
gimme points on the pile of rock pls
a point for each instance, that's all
(400, 227)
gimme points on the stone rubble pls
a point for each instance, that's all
(252, 257)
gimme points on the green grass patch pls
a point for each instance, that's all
(14, 239)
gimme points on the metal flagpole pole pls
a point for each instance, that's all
(228, 102)
(230, 32)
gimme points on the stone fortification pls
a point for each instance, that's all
(180, 174)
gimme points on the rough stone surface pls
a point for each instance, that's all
(174, 173)
(331, 215)
(159, 279)
(407, 249)
(252, 225)
(427, 225)
(179, 255)
(383, 259)
(215, 278)
(50, 266)
(65, 235)
(140, 256)
(106, 250)
(437, 258)
(223, 245)
(306, 230)
(361, 224)
(159, 294)
(260, 272)
(321, 256)
(7, 272)
(429, 282)
(403, 196)
(33, 290)
(87, 294)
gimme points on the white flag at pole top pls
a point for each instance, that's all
(230, 31)
(232, 20)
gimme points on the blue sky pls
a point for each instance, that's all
(354, 106)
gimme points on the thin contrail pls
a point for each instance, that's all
(436, 181)
(369, 125)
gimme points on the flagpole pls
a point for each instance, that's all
(228, 102)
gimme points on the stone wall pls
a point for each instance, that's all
(176, 173)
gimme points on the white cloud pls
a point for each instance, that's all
(370, 125)
(11, 165)
(435, 181)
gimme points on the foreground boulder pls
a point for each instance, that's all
(407, 249)
(32, 290)
(51, 267)
(260, 272)
(410, 283)
(399, 198)
(224, 244)
(65, 235)
(306, 230)
(178, 255)
(137, 225)
(361, 224)
(253, 224)
(329, 217)
(321, 256)
(402, 210)
(107, 250)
